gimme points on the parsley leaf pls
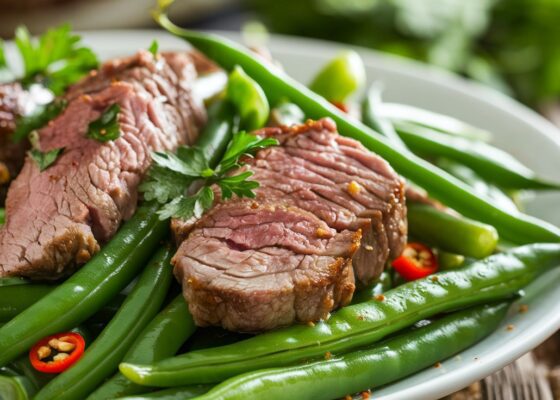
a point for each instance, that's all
(242, 143)
(106, 127)
(188, 207)
(39, 118)
(45, 160)
(154, 47)
(238, 185)
(171, 175)
(56, 59)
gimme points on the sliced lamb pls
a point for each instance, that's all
(56, 219)
(324, 202)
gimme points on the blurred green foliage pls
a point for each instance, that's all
(512, 45)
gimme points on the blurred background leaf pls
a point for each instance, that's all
(511, 45)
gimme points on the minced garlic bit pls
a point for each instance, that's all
(354, 188)
(328, 355)
(510, 327)
(523, 308)
(366, 395)
(379, 297)
(368, 247)
(322, 233)
(437, 365)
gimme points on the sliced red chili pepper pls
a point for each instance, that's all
(55, 354)
(415, 262)
(341, 106)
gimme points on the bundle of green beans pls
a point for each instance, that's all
(494, 278)
(145, 343)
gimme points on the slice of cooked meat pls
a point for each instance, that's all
(250, 267)
(57, 218)
(15, 101)
(314, 175)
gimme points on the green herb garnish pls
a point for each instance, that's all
(106, 127)
(46, 159)
(172, 174)
(56, 59)
(154, 47)
(37, 119)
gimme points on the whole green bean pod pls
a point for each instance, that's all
(518, 228)
(381, 285)
(180, 393)
(451, 232)
(16, 388)
(443, 123)
(351, 327)
(286, 113)
(386, 362)
(103, 356)
(340, 77)
(248, 98)
(14, 299)
(478, 184)
(448, 260)
(90, 288)
(491, 163)
(371, 117)
(160, 339)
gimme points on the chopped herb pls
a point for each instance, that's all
(171, 175)
(106, 127)
(36, 120)
(44, 160)
(56, 59)
(154, 47)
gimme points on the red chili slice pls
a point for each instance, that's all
(55, 354)
(341, 106)
(415, 262)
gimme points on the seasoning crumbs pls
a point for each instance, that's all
(366, 395)
(510, 327)
(379, 297)
(328, 355)
(523, 308)
(437, 365)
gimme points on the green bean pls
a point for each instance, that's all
(2, 216)
(248, 98)
(478, 185)
(16, 388)
(351, 327)
(443, 123)
(103, 356)
(518, 228)
(386, 362)
(286, 113)
(15, 299)
(451, 232)
(89, 289)
(381, 285)
(448, 260)
(489, 162)
(340, 77)
(181, 393)
(160, 339)
(371, 117)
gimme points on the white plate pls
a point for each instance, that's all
(517, 129)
